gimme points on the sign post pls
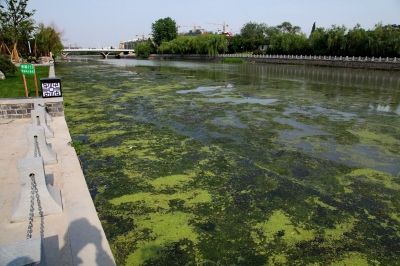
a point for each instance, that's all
(29, 70)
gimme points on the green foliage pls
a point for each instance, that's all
(357, 41)
(232, 60)
(48, 40)
(383, 40)
(287, 27)
(164, 30)
(289, 43)
(210, 44)
(235, 44)
(253, 36)
(7, 67)
(144, 49)
(313, 28)
(16, 23)
(319, 41)
(336, 40)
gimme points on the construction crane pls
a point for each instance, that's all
(194, 27)
(224, 28)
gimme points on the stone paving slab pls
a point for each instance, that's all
(78, 231)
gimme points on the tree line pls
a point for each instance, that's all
(259, 38)
(19, 34)
(382, 40)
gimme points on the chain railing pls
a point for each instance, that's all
(34, 194)
(37, 149)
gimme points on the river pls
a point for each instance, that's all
(245, 164)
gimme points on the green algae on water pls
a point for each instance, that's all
(300, 168)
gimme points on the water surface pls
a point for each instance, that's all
(213, 164)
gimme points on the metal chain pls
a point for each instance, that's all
(40, 210)
(37, 150)
(31, 210)
(35, 192)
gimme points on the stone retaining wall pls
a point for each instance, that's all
(346, 62)
(328, 63)
(21, 108)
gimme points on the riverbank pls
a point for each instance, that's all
(67, 236)
(392, 64)
(70, 235)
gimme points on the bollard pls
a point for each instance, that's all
(38, 117)
(39, 104)
(37, 145)
(50, 198)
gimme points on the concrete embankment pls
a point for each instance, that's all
(324, 61)
(74, 236)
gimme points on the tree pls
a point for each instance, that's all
(144, 48)
(211, 44)
(287, 27)
(235, 44)
(253, 35)
(319, 41)
(384, 40)
(164, 30)
(289, 43)
(48, 40)
(16, 22)
(7, 67)
(312, 29)
(357, 42)
(336, 40)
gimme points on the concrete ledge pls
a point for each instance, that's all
(21, 108)
(77, 235)
(21, 253)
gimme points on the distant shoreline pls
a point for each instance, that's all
(377, 64)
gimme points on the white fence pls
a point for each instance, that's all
(316, 57)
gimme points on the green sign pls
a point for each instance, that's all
(27, 69)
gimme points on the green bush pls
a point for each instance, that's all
(7, 67)
(144, 49)
(232, 60)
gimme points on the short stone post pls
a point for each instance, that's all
(50, 199)
(39, 118)
(41, 104)
(37, 145)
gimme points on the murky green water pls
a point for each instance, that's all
(211, 164)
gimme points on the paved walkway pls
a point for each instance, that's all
(74, 237)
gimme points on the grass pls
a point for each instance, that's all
(13, 86)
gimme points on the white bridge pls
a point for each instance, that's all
(103, 51)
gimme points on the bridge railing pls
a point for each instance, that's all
(314, 57)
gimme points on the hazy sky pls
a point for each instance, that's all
(98, 23)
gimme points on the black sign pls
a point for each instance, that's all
(51, 87)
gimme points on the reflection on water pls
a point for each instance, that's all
(198, 163)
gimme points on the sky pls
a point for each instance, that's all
(104, 23)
